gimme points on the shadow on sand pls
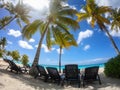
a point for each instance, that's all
(38, 84)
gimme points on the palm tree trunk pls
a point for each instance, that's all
(60, 59)
(112, 41)
(33, 70)
(8, 22)
(37, 56)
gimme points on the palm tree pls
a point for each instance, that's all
(15, 55)
(68, 40)
(18, 12)
(96, 13)
(115, 15)
(25, 60)
(3, 42)
(58, 20)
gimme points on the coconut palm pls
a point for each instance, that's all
(3, 42)
(19, 12)
(15, 55)
(96, 13)
(25, 60)
(59, 19)
(115, 23)
(67, 41)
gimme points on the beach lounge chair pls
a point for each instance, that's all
(42, 73)
(78, 71)
(55, 76)
(91, 74)
(72, 74)
(12, 66)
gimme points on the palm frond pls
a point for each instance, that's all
(70, 22)
(48, 39)
(69, 12)
(62, 26)
(104, 9)
(30, 29)
(103, 20)
(92, 22)
(82, 16)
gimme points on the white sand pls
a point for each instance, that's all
(12, 81)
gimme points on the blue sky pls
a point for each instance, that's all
(94, 45)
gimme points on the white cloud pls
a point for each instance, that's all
(45, 48)
(86, 47)
(39, 8)
(115, 33)
(88, 20)
(113, 3)
(36, 46)
(82, 10)
(32, 40)
(24, 44)
(15, 33)
(84, 35)
(58, 51)
(93, 61)
(9, 42)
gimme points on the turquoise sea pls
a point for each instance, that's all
(80, 66)
(63, 66)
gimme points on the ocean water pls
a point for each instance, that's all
(79, 66)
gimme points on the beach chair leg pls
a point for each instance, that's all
(99, 80)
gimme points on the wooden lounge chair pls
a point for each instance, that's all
(55, 76)
(78, 71)
(12, 66)
(42, 73)
(91, 74)
(72, 74)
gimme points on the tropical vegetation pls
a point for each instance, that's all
(18, 12)
(25, 60)
(115, 16)
(112, 67)
(58, 21)
(97, 15)
(3, 42)
(56, 28)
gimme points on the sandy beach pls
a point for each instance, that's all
(12, 81)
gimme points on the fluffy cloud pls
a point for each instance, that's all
(84, 35)
(58, 50)
(115, 33)
(113, 3)
(24, 44)
(15, 33)
(31, 40)
(45, 48)
(86, 47)
(9, 42)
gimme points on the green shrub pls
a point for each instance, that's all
(112, 67)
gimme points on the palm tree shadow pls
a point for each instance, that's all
(39, 84)
(106, 82)
(30, 81)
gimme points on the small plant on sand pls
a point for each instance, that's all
(112, 67)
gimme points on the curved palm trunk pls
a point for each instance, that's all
(37, 56)
(112, 41)
(33, 70)
(8, 22)
(60, 59)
